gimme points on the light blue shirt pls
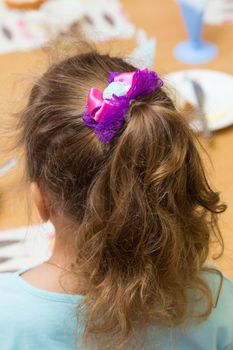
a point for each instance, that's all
(34, 319)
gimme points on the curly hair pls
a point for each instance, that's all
(142, 209)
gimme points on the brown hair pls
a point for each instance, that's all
(141, 204)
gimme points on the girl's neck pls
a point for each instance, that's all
(57, 278)
(64, 250)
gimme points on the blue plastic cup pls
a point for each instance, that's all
(195, 50)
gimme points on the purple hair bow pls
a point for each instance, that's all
(105, 111)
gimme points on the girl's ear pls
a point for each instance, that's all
(40, 201)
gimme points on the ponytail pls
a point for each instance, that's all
(143, 241)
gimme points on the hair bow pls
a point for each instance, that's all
(105, 111)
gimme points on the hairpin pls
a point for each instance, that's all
(105, 111)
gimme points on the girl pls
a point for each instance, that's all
(115, 167)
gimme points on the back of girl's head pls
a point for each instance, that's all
(141, 206)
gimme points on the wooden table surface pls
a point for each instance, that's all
(162, 20)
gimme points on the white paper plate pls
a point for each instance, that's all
(218, 89)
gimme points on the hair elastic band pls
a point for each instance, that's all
(105, 111)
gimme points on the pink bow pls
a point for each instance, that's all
(105, 112)
(97, 105)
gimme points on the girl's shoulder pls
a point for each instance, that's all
(6, 280)
(216, 332)
(9, 291)
(221, 288)
(13, 284)
(8, 285)
(218, 327)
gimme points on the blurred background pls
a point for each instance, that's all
(188, 42)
